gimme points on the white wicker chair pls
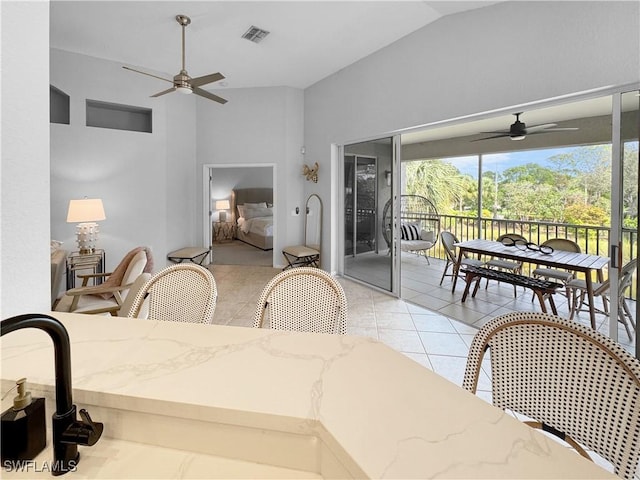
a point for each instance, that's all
(181, 293)
(569, 379)
(303, 299)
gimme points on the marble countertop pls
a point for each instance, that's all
(336, 406)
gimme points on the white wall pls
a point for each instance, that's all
(146, 180)
(498, 56)
(260, 125)
(226, 179)
(24, 174)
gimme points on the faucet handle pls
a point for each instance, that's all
(85, 432)
(95, 428)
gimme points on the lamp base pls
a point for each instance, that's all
(86, 237)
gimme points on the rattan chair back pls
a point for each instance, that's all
(569, 379)
(563, 244)
(180, 293)
(448, 239)
(511, 236)
(303, 299)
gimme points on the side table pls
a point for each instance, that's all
(223, 231)
(189, 254)
(84, 263)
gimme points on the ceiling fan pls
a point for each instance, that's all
(182, 82)
(519, 130)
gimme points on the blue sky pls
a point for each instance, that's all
(502, 161)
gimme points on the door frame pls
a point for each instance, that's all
(338, 223)
(616, 236)
(207, 212)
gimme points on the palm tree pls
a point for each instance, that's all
(440, 182)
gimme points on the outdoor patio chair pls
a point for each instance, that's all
(564, 276)
(180, 293)
(303, 299)
(508, 265)
(567, 379)
(448, 240)
(419, 224)
(580, 302)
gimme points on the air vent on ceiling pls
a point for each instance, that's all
(255, 34)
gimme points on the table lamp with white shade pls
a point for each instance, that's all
(86, 213)
(222, 206)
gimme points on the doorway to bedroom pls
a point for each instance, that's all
(239, 224)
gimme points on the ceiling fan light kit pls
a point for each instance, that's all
(182, 82)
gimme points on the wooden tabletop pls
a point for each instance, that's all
(582, 262)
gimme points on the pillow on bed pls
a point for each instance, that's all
(242, 207)
(253, 212)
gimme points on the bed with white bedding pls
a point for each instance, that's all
(253, 214)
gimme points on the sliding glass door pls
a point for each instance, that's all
(368, 185)
(624, 213)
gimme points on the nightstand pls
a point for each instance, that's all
(223, 231)
(84, 263)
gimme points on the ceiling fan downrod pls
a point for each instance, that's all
(183, 20)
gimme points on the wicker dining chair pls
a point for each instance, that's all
(303, 299)
(508, 265)
(180, 293)
(448, 241)
(568, 379)
(565, 276)
(580, 302)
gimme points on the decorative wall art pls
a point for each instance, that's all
(311, 173)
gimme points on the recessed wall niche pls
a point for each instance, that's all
(58, 106)
(118, 116)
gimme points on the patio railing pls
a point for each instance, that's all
(592, 240)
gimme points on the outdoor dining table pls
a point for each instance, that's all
(578, 262)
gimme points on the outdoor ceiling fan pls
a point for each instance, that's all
(182, 82)
(519, 130)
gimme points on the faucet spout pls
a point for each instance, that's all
(68, 432)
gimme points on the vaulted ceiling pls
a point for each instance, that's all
(308, 40)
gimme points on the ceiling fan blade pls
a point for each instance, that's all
(199, 81)
(543, 126)
(495, 136)
(148, 74)
(552, 130)
(164, 92)
(205, 94)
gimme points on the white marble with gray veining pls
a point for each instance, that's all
(329, 405)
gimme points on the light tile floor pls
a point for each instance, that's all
(431, 326)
